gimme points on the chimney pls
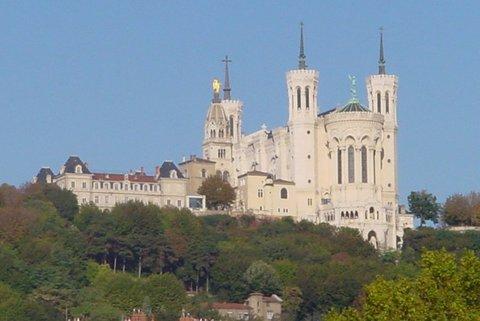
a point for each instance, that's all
(157, 171)
(142, 170)
(184, 159)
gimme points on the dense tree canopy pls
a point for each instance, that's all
(218, 192)
(424, 205)
(101, 264)
(462, 209)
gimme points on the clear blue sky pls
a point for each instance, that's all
(125, 84)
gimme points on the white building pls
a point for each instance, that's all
(337, 166)
(167, 187)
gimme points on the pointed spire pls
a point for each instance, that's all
(381, 59)
(301, 57)
(226, 88)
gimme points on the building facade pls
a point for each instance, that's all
(167, 187)
(337, 166)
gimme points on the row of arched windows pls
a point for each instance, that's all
(351, 164)
(371, 214)
(349, 215)
(387, 102)
(126, 186)
(299, 98)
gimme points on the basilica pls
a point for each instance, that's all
(336, 166)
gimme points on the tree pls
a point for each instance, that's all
(218, 192)
(261, 277)
(445, 289)
(292, 299)
(462, 209)
(424, 205)
(64, 200)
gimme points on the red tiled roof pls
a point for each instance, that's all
(230, 306)
(141, 178)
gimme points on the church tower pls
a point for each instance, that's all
(302, 85)
(382, 98)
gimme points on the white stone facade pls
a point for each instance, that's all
(343, 162)
(167, 187)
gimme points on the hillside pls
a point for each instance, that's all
(58, 257)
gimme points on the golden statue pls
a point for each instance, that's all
(216, 85)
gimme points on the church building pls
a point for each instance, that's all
(336, 166)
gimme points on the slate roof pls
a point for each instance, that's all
(353, 106)
(327, 112)
(72, 162)
(168, 166)
(42, 175)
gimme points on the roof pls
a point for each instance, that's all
(197, 159)
(282, 181)
(42, 175)
(216, 113)
(353, 106)
(230, 306)
(167, 167)
(327, 112)
(72, 162)
(255, 173)
(137, 177)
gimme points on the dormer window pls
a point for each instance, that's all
(173, 174)
(78, 169)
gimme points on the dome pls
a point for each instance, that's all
(216, 114)
(353, 106)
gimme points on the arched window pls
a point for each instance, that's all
(351, 164)
(356, 214)
(78, 169)
(364, 164)
(339, 166)
(220, 133)
(342, 215)
(307, 98)
(379, 103)
(284, 193)
(231, 125)
(173, 174)
(226, 176)
(387, 103)
(299, 98)
(204, 173)
(374, 165)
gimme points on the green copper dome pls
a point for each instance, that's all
(353, 106)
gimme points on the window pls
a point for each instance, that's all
(309, 202)
(307, 98)
(221, 153)
(204, 173)
(106, 199)
(231, 125)
(168, 202)
(260, 193)
(78, 169)
(351, 164)
(284, 193)
(72, 184)
(95, 185)
(84, 185)
(226, 176)
(387, 103)
(220, 133)
(179, 203)
(96, 199)
(339, 166)
(299, 98)
(364, 164)
(173, 174)
(379, 103)
(374, 174)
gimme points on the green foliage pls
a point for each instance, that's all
(446, 289)
(218, 192)
(261, 277)
(424, 206)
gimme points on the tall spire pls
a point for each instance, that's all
(301, 57)
(381, 59)
(226, 88)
